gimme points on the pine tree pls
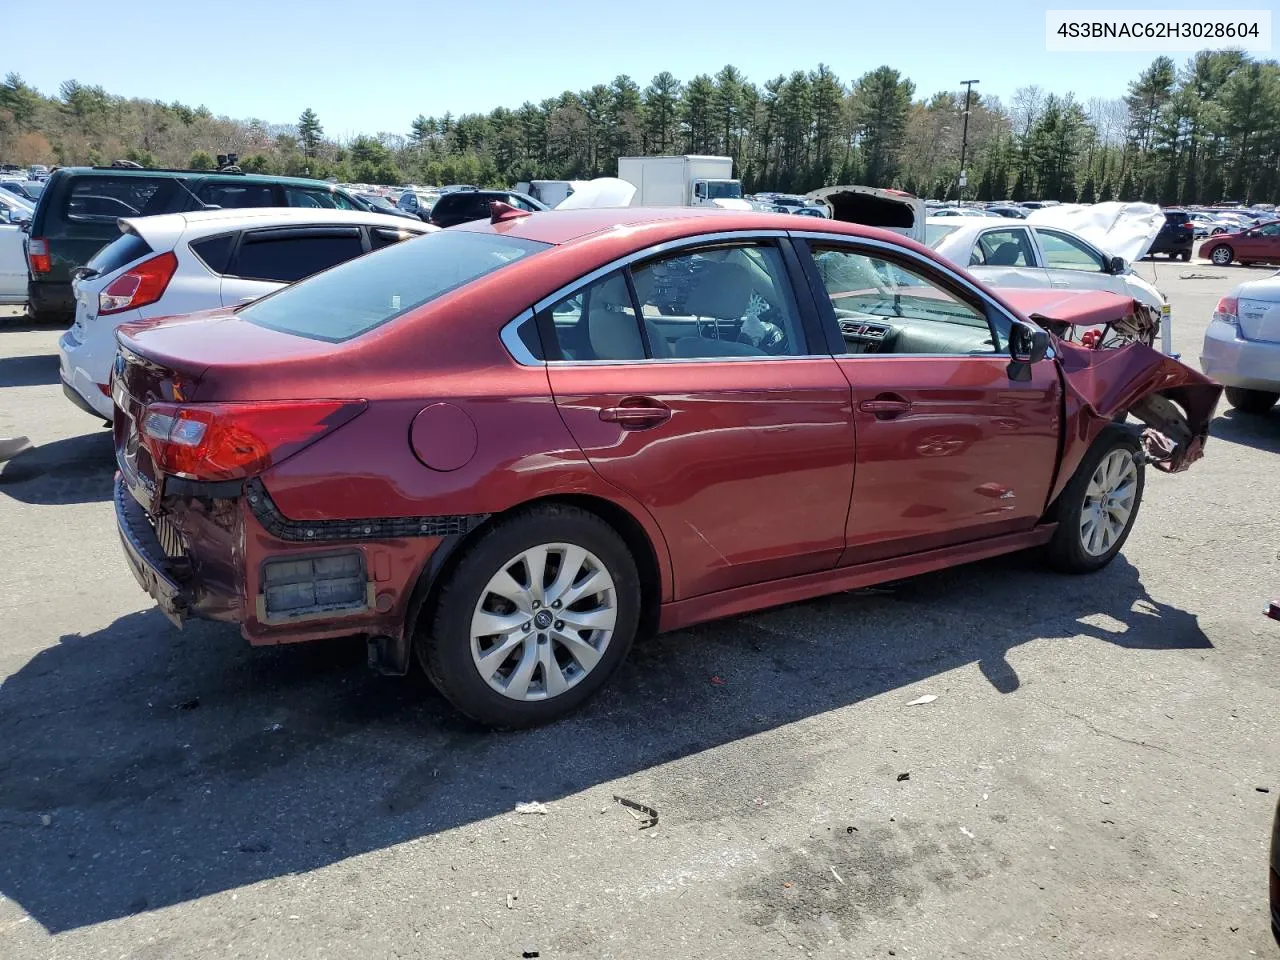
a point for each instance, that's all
(309, 132)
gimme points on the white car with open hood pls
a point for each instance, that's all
(1042, 251)
(179, 263)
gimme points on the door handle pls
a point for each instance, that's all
(886, 406)
(638, 413)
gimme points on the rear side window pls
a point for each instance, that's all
(286, 258)
(380, 237)
(355, 297)
(329, 199)
(120, 252)
(214, 252)
(232, 196)
(106, 199)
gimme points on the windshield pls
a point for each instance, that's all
(934, 232)
(354, 297)
(724, 190)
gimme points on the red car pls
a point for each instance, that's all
(508, 447)
(1260, 244)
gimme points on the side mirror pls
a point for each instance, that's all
(1027, 345)
(1117, 266)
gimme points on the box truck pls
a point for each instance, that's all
(685, 181)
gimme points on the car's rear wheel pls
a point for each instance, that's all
(1222, 255)
(1186, 256)
(534, 618)
(1100, 503)
(1251, 401)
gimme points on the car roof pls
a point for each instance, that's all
(561, 227)
(197, 174)
(213, 221)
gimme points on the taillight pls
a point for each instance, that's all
(227, 441)
(1228, 311)
(38, 255)
(139, 286)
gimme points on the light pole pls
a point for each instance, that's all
(964, 136)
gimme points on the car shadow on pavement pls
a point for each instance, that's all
(1258, 430)
(74, 470)
(141, 766)
(33, 371)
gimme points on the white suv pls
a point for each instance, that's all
(179, 263)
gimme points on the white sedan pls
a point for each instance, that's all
(1005, 253)
(179, 263)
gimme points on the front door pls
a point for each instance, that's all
(1073, 263)
(692, 384)
(949, 448)
(1261, 244)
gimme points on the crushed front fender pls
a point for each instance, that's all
(1175, 402)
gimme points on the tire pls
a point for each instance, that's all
(1222, 255)
(1251, 401)
(451, 648)
(1073, 548)
(1186, 256)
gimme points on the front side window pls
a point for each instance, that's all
(883, 306)
(355, 297)
(1064, 252)
(1003, 248)
(1270, 230)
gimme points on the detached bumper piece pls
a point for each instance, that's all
(159, 574)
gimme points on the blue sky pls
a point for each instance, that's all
(374, 68)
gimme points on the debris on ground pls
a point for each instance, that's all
(189, 704)
(839, 879)
(717, 681)
(920, 701)
(850, 829)
(787, 885)
(967, 832)
(651, 815)
(45, 819)
(275, 728)
(532, 807)
(511, 901)
(1202, 276)
(1263, 789)
(904, 776)
(529, 954)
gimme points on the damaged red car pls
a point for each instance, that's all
(507, 448)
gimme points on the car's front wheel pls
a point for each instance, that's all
(1251, 401)
(1222, 255)
(1100, 503)
(533, 619)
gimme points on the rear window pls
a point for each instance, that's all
(357, 296)
(122, 251)
(106, 199)
(1177, 216)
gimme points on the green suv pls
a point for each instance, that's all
(79, 207)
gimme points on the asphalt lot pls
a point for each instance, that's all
(1087, 783)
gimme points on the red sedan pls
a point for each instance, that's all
(1260, 244)
(509, 447)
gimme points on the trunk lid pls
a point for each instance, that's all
(875, 207)
(202, 357)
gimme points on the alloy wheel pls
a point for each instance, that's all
(543, 621)
(1108, 502)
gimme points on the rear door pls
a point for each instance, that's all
(949, 448)
(268, 258)
(1260, 244)
(697, 382)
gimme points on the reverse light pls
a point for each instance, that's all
(1228, 311)
(142, 285)
(38, 255)
(229, 441)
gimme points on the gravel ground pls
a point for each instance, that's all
(1088, 783)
